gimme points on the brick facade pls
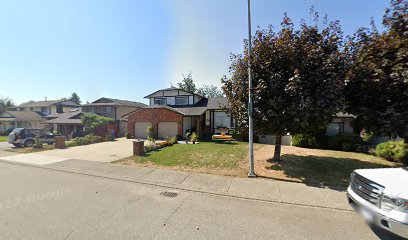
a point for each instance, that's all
(155, 115)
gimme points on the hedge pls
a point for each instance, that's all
(396, 151)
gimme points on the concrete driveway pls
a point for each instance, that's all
(101, 152)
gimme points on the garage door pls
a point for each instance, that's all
(167, 129)
(140, 129)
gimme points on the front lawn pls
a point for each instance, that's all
(45, 147)
(222, 158)
(325, 168)
(316, 167)
(3, 138)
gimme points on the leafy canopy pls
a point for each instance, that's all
(377, 83)
(5, 104)
(297, 78)
(92, 121)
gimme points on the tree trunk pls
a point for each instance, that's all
(278, 146)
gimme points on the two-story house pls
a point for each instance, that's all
(33, 114)
(113, 108)
(174, 112)
(47, 107)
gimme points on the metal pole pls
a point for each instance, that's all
(251, 172)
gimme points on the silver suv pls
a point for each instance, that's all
(26, 137)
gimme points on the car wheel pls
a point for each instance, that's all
(29, 143)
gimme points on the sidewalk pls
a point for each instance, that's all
(255, 189)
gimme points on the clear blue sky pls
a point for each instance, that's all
(127, 49)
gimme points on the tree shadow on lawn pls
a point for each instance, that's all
(319, 171)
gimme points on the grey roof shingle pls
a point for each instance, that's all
(46, 103)
(26, 116)
(65, 118)
(115, 102)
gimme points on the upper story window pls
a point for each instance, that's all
(159, 101)
(44, 109)
(182, 100)
(107, 109)
(88, 109)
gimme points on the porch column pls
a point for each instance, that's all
(198, 123)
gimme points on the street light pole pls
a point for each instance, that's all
(251, 172)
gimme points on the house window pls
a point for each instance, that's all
(159, 101)
(334, 128)
(106, 109)
(44, 110)
(222, 120)
(182, 100)
(88, 109)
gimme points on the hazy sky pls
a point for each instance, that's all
(127, 49)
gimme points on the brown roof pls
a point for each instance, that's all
(46, 103)
(114, 102)
(26, 116)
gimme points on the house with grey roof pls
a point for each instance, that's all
(47, 107)
(174, 112)
(19, 119)
(113, 108)
(68, 124)
(33, 114)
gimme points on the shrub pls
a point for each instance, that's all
(194, 137)
(150, 148)
(173, 140)
(151, 140)
(87, 139)
(396, 151)
(309, 141)
(92, 121)
(346, 142)
(129, 136)
(150, 132)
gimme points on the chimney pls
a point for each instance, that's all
(45, 98)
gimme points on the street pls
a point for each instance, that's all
(38, 203)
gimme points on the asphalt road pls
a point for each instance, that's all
(38, 203)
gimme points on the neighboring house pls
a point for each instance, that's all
(47, 107)
(341, 123)
(68, 124)
(174, 111)
(19, 119)
(113, 108)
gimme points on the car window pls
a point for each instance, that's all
(17, 130)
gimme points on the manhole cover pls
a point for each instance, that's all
(168, 194)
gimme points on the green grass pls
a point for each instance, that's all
(325, 168)
(204, 154)
(3, 138)
(45, 147)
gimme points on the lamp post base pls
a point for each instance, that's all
(251, 175)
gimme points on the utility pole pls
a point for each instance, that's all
(251, 172)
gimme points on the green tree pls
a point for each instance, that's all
(187, 83)
(92, 121)
(377, 85)
(75, 98)
(5, 104)
(210, 91)
(297, 78)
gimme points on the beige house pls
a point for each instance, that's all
(113, 108)
(19, 119)
(47, 107)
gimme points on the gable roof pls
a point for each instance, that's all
(24, 116)
(115, 102)
(73, 117)
(172, 89)
(47, 103)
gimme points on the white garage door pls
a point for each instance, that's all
(141, 129)
(167, 129)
